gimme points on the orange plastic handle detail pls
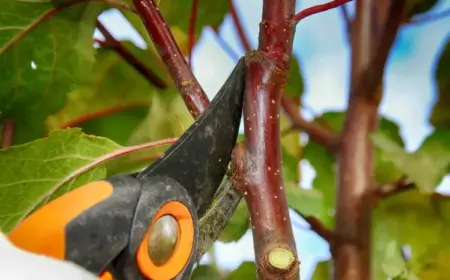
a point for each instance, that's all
(106, 276)
(183, 247)
(44, 231)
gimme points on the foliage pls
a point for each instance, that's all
(52, 78)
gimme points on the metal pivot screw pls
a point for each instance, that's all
(162, 239)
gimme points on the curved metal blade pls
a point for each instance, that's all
(200, 157)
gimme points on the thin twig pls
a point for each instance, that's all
(239, 28)
(192, 93)
(318, 134)
(226, 47)
(347, 21)
(386, 190)
(192, 21)
(130, 58)
(102, 113)
(7, 134)
(318, 9)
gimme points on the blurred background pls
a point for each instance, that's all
(322, 50)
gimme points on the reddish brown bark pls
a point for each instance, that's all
(257, 165)
(192, 93)
(373, 32)
(111, 42)
(7, 134)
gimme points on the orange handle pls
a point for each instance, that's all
(44, 231)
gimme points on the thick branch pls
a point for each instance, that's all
(240, 30)
(257, 164)
(318, 9)
(7, 134)
(317, 133)
(130, 58)
(351, 251)
(192, 93)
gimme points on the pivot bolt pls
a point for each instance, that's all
(162, 239)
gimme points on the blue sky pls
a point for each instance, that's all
(320, 44)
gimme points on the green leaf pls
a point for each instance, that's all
(43, 63)
(323, 162)
(325, 180)
(306, 201)
(418, 220)
(115, 99)
(32, 172)
(294, 86)
(291, 171)
(237, 226)
(247, 271)
(393, 264)
(291, 151)
(324, 165)
(177, 14)
(205, 272)
(167, 117)
(209, 13)
(427, 166)
(322, 271)
(416, 7)
(440, 117)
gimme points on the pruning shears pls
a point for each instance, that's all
(144, 225)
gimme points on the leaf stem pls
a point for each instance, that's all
(170, 53)
(52, 12)
(318, 134)
(130, 58)
(102, 113)
(318, 9)
(120, 152)
(7, 134)
(192, 21)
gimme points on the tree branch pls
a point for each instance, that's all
(226, 47)
(130, 58)
(92, 115)
(240, 30)
(386, 190)
(347, 21)
(317, 133)
(192, 21)
(318, 9)
(351, 251)
(318, 227)
(192, 93)
(256, 164)
(7, 134)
